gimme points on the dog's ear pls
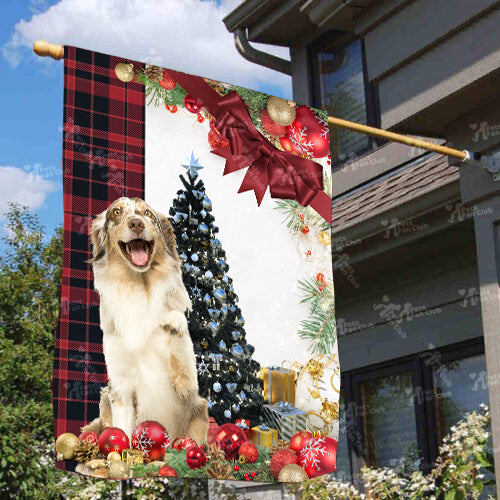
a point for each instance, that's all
(98, 237)
(168, 234)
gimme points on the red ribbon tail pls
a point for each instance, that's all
(256, 179)
(322, 203)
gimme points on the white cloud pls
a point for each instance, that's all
(23, 186)
(186, 35)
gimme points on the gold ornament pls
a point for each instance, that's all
(133, 457)
(124, 72)
(282, 443)
(119, 470)
(154, 73)
(329, 411)
(242, 460)
(317, 433)
(292, 473)
(65, 446)
(113, 456)
(315, 369)
(281, 111)
(85, 451)
(219, 470)
(325, 238)
(203, 344)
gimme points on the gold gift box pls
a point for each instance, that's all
(279, 384)
(263, 437)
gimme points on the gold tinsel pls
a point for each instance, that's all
(219, 470)
(154, 73)
(85, 451)
(214, 452)
(119, 470)
(282, 443)
(281, 111)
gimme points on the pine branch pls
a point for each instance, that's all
(157, 95)
(320, 330)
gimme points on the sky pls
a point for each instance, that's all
(187, 35)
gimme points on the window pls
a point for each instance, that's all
(403, 409)
(340, 87)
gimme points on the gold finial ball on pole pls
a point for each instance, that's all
(46, 49)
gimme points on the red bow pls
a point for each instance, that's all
(288, 176)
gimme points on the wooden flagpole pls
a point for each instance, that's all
(45, 49)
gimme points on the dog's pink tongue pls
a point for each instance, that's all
(137, 253)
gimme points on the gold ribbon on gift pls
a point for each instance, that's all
(329, 410)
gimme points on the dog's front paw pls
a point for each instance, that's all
(175, 323)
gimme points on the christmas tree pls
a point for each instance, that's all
(226, 370)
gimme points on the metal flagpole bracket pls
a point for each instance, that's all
(491, 163)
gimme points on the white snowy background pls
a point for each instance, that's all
(264, 262)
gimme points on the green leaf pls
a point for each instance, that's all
(450, 494)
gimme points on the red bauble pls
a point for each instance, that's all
(168, 83)
(280, 458)
(287, 144)
(151, 438)
(304, 229)
(168, 471)
(298, 440)
(319, 456)
(89, 436)
(113, 439)
(195, 457)
(249, 451)
(229, 438)
(200, 119)
(173, 108)
(183, 443)
(215, 139)
(191, 104)
(308, 135)
(320, 277)
(271, 126)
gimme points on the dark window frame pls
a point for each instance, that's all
(335, 38)
(422, 376)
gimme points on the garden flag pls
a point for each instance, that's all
(196, 331)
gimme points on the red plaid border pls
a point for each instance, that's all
(103, 159)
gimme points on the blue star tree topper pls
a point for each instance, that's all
(194, 166)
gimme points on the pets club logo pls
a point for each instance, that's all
(484, 131)
(473, 297)
(396, 314)
(345, 327)
(340, 262)
(396, 227)
(459, 212)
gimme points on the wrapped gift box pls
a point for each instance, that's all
(244, 425)
(286, 418)
(263, 435)
(279, 384)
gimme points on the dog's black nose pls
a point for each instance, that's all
(136, 225)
